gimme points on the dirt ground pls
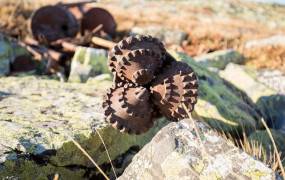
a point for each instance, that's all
(210, 25)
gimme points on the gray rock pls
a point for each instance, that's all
(220, 59)
(177, 152)
(37, 118)
(168, 36)
(270, 41)
(270, 103)
(274, 79)
(87, 62)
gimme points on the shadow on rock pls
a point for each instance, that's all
(273, 111)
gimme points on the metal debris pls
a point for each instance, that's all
(98, 16)
(50, 23)
(140, 64)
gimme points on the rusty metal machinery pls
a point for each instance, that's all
(50, 23)
(137, 59)
(128, 109)
(175, 86)
(94, 17)
(148, 82)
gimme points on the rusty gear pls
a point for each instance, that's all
(175, 86)
(127, 108)
(96, 16)
(50, 23)
(137, 59)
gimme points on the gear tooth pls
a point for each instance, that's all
(113, 58)
(142, 95)
(130, 55)
(136, 75)
(142, 51)
(125, 60)
(111, 119)
(137, 52)
(117, 50)
(107, 111)
(124, 130)
(123, 44)
(167, 96)
(168, 85)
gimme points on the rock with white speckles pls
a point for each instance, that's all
(37, 118)
(176, 153)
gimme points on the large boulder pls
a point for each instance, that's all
(177, 152)
(38, 117)
(220, 104)
(269, 102)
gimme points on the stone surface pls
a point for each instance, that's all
(87, 62)
(37, 118)
(8, 52)
(274, 79)
(220, 104)
(220, 59)
(177, 152)
(167, 35)
(270, 103)
(269, 41)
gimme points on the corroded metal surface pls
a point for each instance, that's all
(137, 59)
(175, 86)
(141, 64)
(128, 109)
(94, 17)
(50, 23)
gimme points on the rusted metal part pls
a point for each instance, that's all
(50, 23)
(96, 16)
(103, 42)
(23, 63)
(137, 59)
(128, 109)
(175, 86)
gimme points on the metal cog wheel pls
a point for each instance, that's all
(128, 108)
(175, 86)
(137, 59)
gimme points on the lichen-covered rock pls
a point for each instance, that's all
(87, 62)
(8, 52)
(177, 152)
(220, 59)
(270, 103)
(37, 118)
(219, 103)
